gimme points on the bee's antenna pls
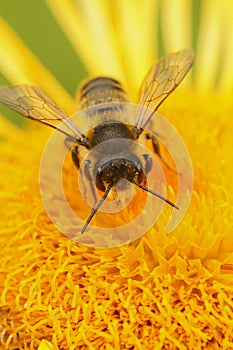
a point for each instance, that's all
(154, 193)
(95, 209)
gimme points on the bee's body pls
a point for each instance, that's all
(98, 96)
(104, 99)
(101, 90)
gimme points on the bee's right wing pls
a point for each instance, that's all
(161, 80)
(32, 103)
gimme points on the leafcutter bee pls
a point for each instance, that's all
(109, 168)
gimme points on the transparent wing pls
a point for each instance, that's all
(32, 103)
(161, 80)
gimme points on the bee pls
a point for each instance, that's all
(94, 96)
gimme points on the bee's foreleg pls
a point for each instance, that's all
(155, 143)
(87, 172)
(156, 149)
(75, 157)
(148, 163)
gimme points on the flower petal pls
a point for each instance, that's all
(92, 36)
(20, 66)
(209, 44)
(176, 24)
(108, 42)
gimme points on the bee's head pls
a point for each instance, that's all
(111, 169)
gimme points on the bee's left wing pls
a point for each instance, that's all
(32, 103)
(161, 80)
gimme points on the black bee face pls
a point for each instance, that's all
(110, 170)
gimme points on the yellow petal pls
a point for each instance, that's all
(226, 70)
(20, 66)
(91, 35)
(136, 28)
(45, 345)
(176, 27)
(176, 24)
(116, 42)
(7, 127)
(209, 44)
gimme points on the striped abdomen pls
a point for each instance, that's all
(101, 90)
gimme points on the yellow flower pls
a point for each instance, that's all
(162, 291)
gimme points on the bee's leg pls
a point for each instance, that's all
(76, 161)
(148, 163)
(75, 157)
(87, 163)
(154, 142)
(89, 178)
(156, 149)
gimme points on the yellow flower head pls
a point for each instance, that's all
(170, 291)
